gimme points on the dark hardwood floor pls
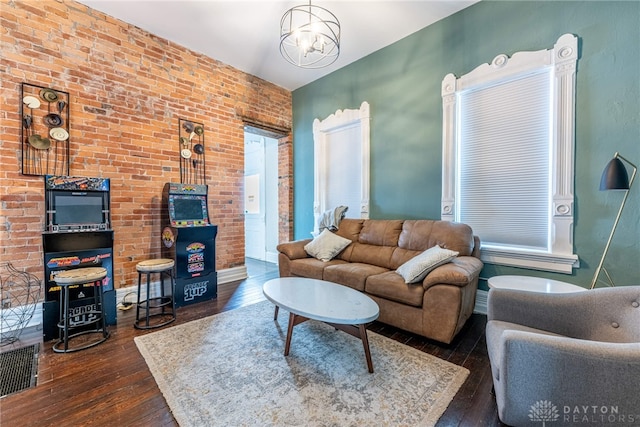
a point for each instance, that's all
(110, 384)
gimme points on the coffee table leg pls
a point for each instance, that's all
(294, 319)
(358, 331)
(287, 346)
(365, 344)
(275, 313)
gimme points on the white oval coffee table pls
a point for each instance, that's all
(339, 306)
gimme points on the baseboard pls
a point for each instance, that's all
(232, 274)
(481, 302)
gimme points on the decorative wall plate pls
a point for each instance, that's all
(49, 95)
(188, 126)
(31, 101)
(52, 120)
(39, 142)
(59, 134)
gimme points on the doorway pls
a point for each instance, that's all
(261, 197)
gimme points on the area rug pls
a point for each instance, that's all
(230, 370)
(18, 369)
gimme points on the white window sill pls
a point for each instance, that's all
(557, 263)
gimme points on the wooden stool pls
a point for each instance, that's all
(94, 313)
(164, 305)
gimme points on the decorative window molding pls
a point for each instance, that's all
(497, 91)
(341, 157)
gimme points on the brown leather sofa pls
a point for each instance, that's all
(437, 307)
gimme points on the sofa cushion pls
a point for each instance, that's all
(326, 246)
(351, 274)
(372, 254)
(391, 286)
(350, 228)
(417, 268)
(400, 256)
(418, 235)
(381, 232)
(311, 267)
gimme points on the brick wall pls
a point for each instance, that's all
(127, 90)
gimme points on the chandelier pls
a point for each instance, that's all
(309, 36)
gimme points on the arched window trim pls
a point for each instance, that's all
(562, 58)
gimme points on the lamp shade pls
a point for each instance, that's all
(614, 176)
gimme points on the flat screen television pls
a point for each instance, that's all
(188, 210)
(78, 210)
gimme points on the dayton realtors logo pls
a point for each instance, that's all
(545, 411)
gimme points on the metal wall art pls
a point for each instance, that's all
(191, 148)
(44, 134)
(19, 293)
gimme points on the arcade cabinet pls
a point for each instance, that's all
(77, 234)
(190, 240)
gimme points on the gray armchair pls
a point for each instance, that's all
(570, 358)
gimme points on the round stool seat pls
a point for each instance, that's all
(80, 275)
(154, 265)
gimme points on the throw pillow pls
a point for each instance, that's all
(417, 268)
(326, 246)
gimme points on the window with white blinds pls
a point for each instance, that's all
(508, 150)
(505, 146)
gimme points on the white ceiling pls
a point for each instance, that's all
(245, 33)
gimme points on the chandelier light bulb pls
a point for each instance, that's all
(306, 46)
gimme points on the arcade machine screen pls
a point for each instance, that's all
(77, 210)
(188, 210)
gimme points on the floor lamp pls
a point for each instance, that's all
(614, 177)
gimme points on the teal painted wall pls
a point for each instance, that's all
(402, 85)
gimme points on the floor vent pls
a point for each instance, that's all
(18, 369)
